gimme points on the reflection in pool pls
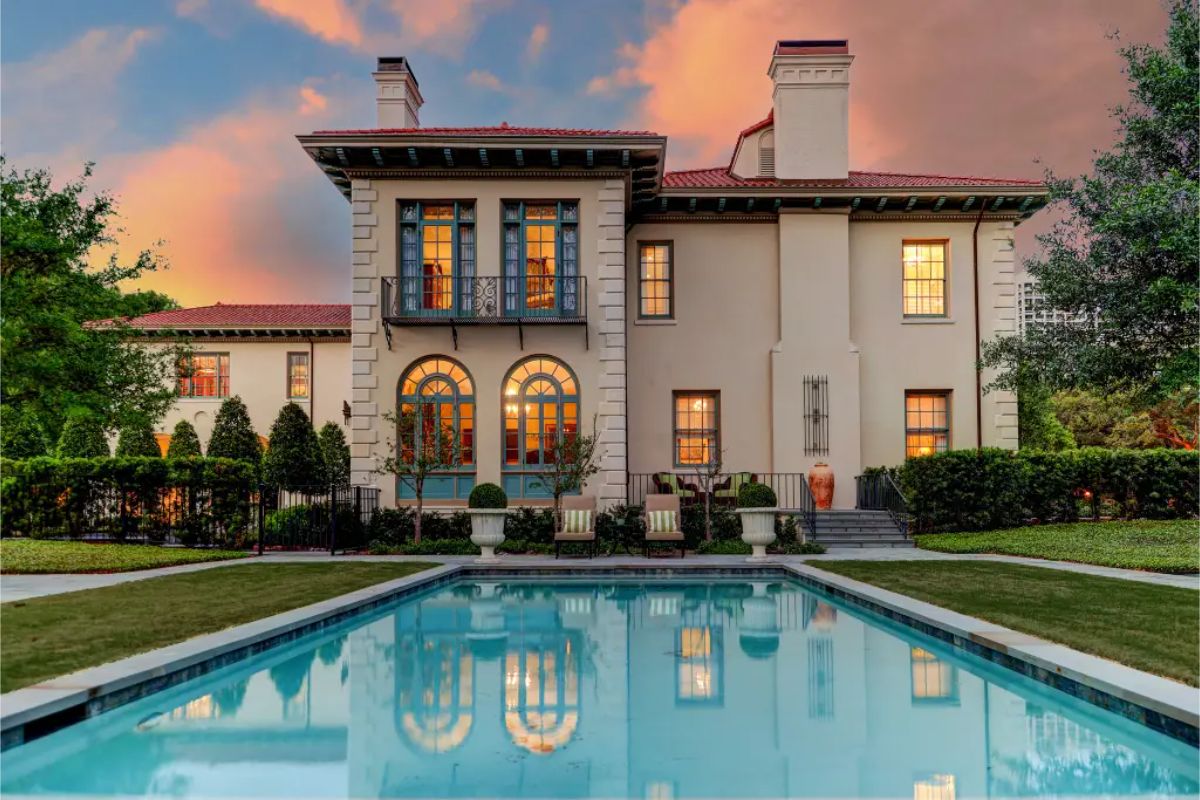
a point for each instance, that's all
(664, 689)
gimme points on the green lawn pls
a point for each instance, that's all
(28, 556)
(1160, 546)
(1149, 627)
(49, 636)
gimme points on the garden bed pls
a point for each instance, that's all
(34, 557)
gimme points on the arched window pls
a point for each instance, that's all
(440, 392)
(541, 405)
(766, 155)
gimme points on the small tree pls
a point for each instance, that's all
(336, 454)
(423, 445)
(21, 435)
(184, 441)
(293, 460)
(572, 460)
(82, 437)
(137, 439)
(233, 436)
(706, 477)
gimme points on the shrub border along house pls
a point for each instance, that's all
(969, 490)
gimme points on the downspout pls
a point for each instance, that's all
(312, 381)
(978, 368)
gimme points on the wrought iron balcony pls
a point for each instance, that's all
(423, 300)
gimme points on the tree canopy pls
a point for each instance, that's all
(52, 363)
(185, 443)
(233, 436)
(336, 454)
(1123, 258)
(294, 459)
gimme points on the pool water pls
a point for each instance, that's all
(669, 689)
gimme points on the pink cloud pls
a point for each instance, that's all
(483, 79)
(537, 41)
(331, 20)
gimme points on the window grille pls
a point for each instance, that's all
(816, 415)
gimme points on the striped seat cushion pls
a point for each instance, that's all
(577, 520)
(660, 521)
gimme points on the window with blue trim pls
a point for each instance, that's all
(541, 258)
(440, 393)
(541, 404)
(437, 257)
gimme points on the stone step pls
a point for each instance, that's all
(851, 543)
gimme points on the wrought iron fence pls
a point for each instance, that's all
(879, 492)
(317, 517)
(789, 487)
(465, 300)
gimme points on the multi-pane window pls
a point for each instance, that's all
(541, 406)
(933, 680)
(297, 376)
(655, 280)
(696, 428)
(924, 279)
(437, 257)
(541, 258)
(699, 665)
(437, 408)
(926, 423)
(203, 375)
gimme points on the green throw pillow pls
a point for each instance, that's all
(661, 521)
(577, 520)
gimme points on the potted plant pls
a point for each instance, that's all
(757, 507)
(488, 506)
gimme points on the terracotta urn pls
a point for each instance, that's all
(820, 482)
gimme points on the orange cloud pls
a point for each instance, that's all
(440, 25)
(331, 20)
(537, 41)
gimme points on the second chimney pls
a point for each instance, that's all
(811, 104)
(397, 98)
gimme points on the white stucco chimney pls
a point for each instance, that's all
(811, 102)
(397, 98)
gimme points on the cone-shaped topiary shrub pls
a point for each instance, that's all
(185, 443)
(82, 437)
(21, 435)
(756, 495)
(233, 436)
(336, 454)
(136, 438)
(487, 495)
(293, 460)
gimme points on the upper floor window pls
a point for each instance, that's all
(926, 423)
(541, 258)
(203, 375)
(437, 256)
(297, 376)
(655, 281)
(696, 428)
(925, 279)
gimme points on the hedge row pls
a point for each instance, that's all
(969, 490)
(190, 500)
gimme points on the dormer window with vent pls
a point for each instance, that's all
(766, 155)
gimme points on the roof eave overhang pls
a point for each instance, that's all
(237, 331)
(1023, 190)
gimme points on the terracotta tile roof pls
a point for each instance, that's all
(758, 126)
(236, 315)
(721, 177)
(503, 129)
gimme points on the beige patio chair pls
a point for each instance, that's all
(577, 503)
(662, 502)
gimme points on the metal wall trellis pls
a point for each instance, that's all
(816, 415)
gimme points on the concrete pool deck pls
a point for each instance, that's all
(1158, 703)
(24, 587)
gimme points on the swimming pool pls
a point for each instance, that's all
(672, 688)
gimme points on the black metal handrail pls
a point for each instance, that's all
(689, 486)
(808, 509)
(434, 299)
(879, 492)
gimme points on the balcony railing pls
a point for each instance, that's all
(446, 300)
(790, 488)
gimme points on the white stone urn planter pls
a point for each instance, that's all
(758, 530)
(487, 531)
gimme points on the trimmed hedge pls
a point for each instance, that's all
(197, 500)
(968, 490)
(487, 495)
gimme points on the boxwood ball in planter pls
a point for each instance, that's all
(757, 506)
(488, 506)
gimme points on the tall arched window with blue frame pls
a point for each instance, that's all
(540, 404)
(439, 392)
(437, 258)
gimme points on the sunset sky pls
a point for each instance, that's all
(189, 107)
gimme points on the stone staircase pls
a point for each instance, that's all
(859, 528)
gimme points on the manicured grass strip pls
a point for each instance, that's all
(30, 556)
(1148, 627)
(49, 636)
(1160, 546)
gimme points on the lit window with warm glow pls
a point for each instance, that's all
(933, 680)
(297, 376)
(655, 280)
(699, 665)
(437, 257)
(437, 408)
(926, 423)
(934, 787)
(924, 279)
(204, 375)
(541, 258)
(696, 428)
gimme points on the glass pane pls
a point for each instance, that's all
(438, 212)
(541, 211)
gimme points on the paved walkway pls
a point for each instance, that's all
(23, 587)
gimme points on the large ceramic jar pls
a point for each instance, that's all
(820, 483)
